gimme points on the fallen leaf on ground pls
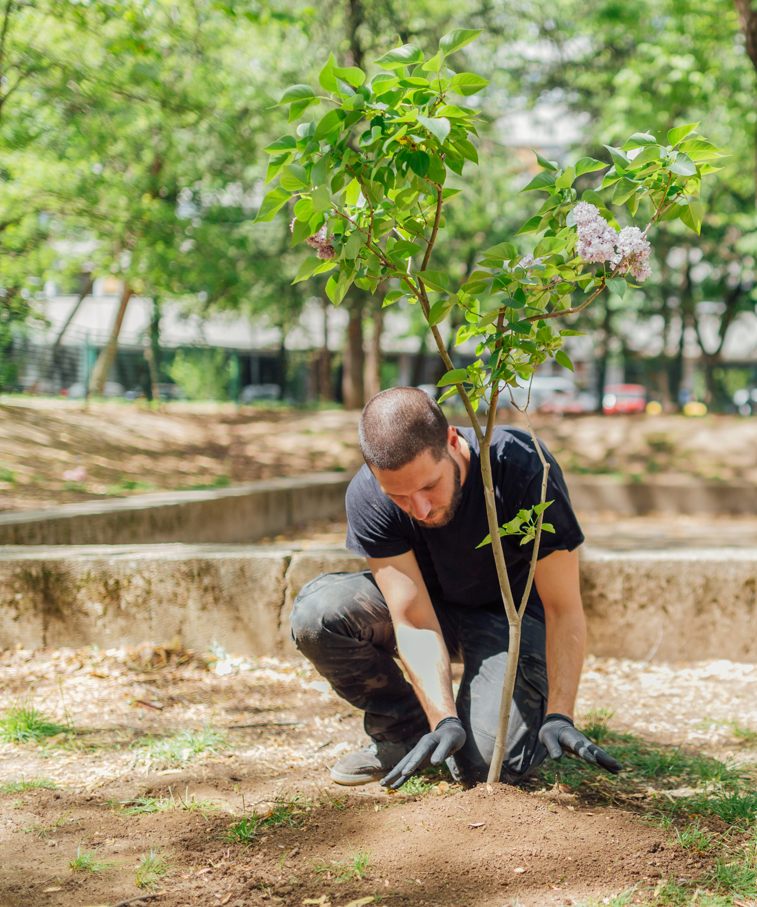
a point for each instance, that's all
(226, 900)
(476, 824)
(519, 869)
(360, 902)
(321, 901)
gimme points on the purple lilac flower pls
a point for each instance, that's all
(596, 238)
(320, 242)
(633, 250)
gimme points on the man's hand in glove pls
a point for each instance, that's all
(446, 738)
(558, 734)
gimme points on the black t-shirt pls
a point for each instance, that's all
(453, 569)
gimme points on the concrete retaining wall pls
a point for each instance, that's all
(246, 513)
(243, 513)
(683, 605)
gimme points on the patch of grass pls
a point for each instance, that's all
(87, 862)
(743, 734)
(14, 787)
(27, 724)
(286, 810)
(736, 808)
(7, 475)
(140, 806)
(168, 752)
(353, 868)
(124, 485)
(44, 831)
(735, 876)
(596, 725)
(694, 837)
(152, 867)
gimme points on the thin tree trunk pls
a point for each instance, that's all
(324, 360)
(372, 378)
(353, 392)
(82, 296)
(108, 354)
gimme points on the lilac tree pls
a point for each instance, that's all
(369, 181)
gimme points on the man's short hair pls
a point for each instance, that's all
(399, 424)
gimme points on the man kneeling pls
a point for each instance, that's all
(416, 512)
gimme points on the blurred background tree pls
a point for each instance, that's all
(131, 136)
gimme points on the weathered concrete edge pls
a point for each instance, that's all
(599, 493)
(677, 605)
(242, 513)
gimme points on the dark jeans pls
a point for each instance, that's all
(341, 623)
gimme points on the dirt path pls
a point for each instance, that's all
(205, 740)
(55, 452)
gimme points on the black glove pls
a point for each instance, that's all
(446, 738)
(558, 733)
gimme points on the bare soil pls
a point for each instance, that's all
(128, 449)
(281, 728)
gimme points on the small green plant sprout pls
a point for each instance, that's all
(366, 185)
(287, 810)
(742, 734)
(152, 867)
(44, 831)
(525, 524)
(353, 868)
(146, 805)
(694, 837)
(169, 752)
(14, 787)
(596, 725)
(86, 861)
(23, 723)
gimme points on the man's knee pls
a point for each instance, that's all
(325, 607)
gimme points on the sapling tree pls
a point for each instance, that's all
(369, 181)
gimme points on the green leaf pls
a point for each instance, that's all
(531, 225)
(285, 143)
(271, 204)
(299, 107)
(617, 285)
(455, 376)
(328, 124)
(300, 230)
(326, 79)
(588, 165)
(353, 245)
(651, 154)
(619, 157)
(321, 199)
(624, 190)
(467, 149)
(542, 180)
(680, 132)
(565, 180)
(457, 38)
(440, 310)
(547, 527)
(693, 215)
(407, 55)
(274, 166)
(683, 165)
(540, 508)
(306, 268)
(547, 165)
(419, 162)
(467, 84)
(351, 75)
(437, 126)
(392, 297)
(520, 327)
(296, 93)
(437, 280)
(638, 140)
(486, 541)
(503, 251)
(294, 178)
(563, 359)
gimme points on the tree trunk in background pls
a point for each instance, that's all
(353, 392)
(86, 290)
(108, 354)
(152, 352)
(418, 362)
(324, 361)
(281, 365)
(373, 358)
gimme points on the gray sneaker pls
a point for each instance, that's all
(370, 763)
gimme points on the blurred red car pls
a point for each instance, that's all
(624, 398)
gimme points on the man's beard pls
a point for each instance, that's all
(446, 514)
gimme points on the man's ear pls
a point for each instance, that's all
(453, 439)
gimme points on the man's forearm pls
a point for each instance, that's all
(566, 642)
(426, 661)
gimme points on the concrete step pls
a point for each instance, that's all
(686, 604)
